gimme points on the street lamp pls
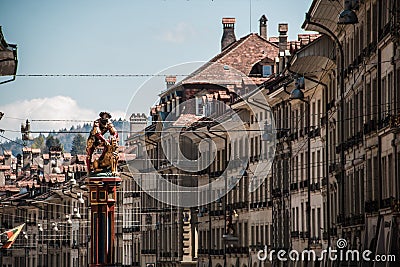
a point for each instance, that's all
(76, 213)
(69, 221)
(297, 94)
(54, 226)
(80, 198)
(348, 16)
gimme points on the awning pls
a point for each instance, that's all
(315, 58)
(325, 12)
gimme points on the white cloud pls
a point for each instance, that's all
(178, 34)
(53, 108)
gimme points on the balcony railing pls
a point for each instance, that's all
(148, 251)
(294, 186)
(351, 220)
(371, 206)
(295, 234)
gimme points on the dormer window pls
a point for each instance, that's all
(199, 106)
(266, 70)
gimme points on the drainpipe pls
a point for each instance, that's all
(395, 93)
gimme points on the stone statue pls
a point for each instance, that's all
(109, 157)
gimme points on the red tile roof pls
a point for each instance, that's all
(186, 120)
(240, 57)
(36, 150)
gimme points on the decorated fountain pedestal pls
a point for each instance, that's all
(102, 181)
(103, 195)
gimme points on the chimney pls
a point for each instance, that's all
(228, 36)
(263, 26)
(170, 81)
(283, 38)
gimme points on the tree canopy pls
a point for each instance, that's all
(78, 145)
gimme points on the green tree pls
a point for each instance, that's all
(78, 145)
(52, 141)
(39, 142)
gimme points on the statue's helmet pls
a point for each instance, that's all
(105, 115)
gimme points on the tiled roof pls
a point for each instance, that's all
(186, 120)
(9, 188)
(4, 168)
(36, 150)
(241, 56)
(54, 178)
(81, 158)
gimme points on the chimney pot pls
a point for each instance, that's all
(170, 81)
(228, 36)
(263, 26)
(283, 28)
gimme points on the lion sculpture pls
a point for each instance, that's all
(109, 159)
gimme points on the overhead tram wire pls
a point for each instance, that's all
(139, 75)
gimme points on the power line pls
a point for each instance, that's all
(100, 75)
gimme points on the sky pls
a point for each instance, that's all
(116, 37)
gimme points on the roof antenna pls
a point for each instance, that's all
(250, 15)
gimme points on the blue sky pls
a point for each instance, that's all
(116, 37)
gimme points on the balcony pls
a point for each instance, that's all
(295, 234)
(29, 223)
(388, 202)
(132, 194)
(351, 220)
(257, 205)
(333, 167)
(369, 126)
(217, 252)
(216, 213)
(315, 186)
(236, 250)
(216, 174)
(293, 136)
(304, 234)
(165, 254)
(202, 251)
(148, 251)
(333, 233)
(276, 192)
(303, 184)
(131, 229)
(371, 206)
(394, 120)
(315, 133)
(294, 186)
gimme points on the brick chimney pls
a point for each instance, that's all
(170, 81)
(283, 38)
(263, 26)
(228, 36)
